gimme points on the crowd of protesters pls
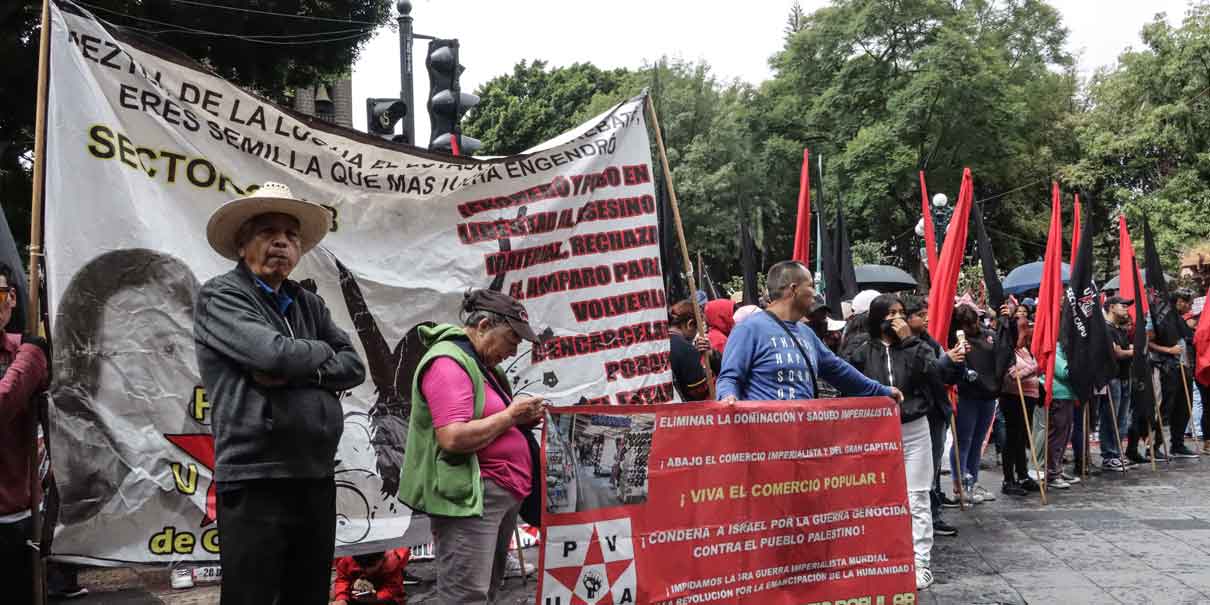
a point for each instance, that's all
(274, 365)
(982, 389)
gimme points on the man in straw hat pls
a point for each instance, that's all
(273, 364)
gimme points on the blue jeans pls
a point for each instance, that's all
(974, 418)
(1111, 438)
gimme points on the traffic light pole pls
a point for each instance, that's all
(405, 67)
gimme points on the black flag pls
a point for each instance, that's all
(1143, 397)
(1083, 331)
(747, 259)
(670, 249)
(995, 290)
(1167, 326)
(704, 282)
(839, 276)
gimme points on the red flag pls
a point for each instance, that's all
(1201, 343)
(1046, 322)
(949, 265)
(1075, 233)
(802, 235)
(1129, 281)
(930, 236)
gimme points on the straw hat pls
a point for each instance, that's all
(314, 220)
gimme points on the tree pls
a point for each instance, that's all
(534, 104)
(270, 54)
(796, 20)
(1145, 140)
(883, 90)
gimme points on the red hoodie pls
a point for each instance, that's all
(26, 375)
(719, 319)
(387, 578)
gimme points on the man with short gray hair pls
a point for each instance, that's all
(273, 364)
(774, 356)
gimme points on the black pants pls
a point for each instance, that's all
(16, 565)
(938, 429)
(1204, 391)
(1016, 438)
(277, 538)
(1176, 406)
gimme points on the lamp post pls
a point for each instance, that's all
(405, 67)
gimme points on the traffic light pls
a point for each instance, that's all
(447, 102)
(382, 115)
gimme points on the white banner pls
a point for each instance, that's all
(144, 145)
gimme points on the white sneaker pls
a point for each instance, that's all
(924, 578)
(512, 567)
(1058, 483)
(182, 577)
(986, 495)
(1072, 479)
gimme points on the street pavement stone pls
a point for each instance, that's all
(1138, 538)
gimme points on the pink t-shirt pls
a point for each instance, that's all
(451, 396)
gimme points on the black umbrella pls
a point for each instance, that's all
(884, 278)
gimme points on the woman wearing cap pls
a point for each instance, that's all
(468, 461)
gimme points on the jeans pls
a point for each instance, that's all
(1117, 402)
(974, 418)
(1204, 392)
(1057, 435)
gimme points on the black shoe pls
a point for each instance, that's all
(1160, 456)
(409, 579)
(1136, 458)
(1029, 485)
(941, 528)
(1010, 488)
(1180, 451)
(948, 502)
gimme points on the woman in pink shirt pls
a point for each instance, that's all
(1022, 378)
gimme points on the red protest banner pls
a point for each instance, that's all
(754, 502)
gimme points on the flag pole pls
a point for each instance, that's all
(33, 313)
(1185, 383)
(1029, 433)
(680, 236)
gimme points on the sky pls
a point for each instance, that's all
(736, 39)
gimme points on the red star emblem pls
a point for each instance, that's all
(569, 576)
(200, 446)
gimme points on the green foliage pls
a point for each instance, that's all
(534, 104)
(1145, 139)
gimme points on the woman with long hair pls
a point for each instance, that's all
(977, 394)
(1020, 384)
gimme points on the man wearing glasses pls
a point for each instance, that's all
(23, 373)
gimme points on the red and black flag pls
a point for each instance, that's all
(1082, 327)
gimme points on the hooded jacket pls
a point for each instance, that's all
(264, 432)
(908, 365)
(720, 318)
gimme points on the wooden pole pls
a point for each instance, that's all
(1084, 413)
(1188, 398)
(957, 473)
(1045, 450)
(32, 311)
(680, 237)
(1029, 434)
(521, 555)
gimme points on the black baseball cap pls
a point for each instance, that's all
(508, 307)
(1119, 300)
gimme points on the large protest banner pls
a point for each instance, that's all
(144, 145)
(757, 502)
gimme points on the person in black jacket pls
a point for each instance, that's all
(895, 358)
(274, 365)
(940, 413)
(977, 396)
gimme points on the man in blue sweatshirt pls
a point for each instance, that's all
(764, 358)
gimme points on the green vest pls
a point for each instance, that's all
(432, 480)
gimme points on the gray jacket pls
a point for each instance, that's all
(260, 432)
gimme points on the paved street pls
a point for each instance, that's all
(1138, 539)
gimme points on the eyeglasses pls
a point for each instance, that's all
(6, 292)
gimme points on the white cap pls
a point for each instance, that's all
(861, 302)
